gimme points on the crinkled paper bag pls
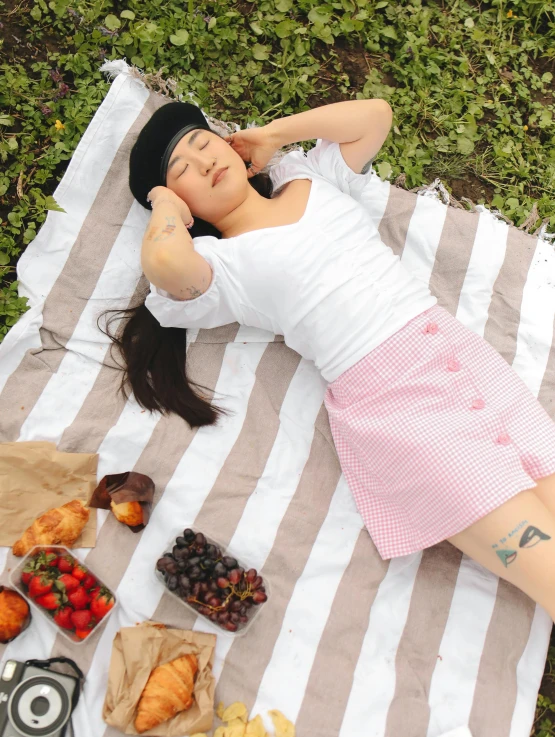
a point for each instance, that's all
(136, 652)
(35, 477)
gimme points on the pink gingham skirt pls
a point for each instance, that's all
(433, 430)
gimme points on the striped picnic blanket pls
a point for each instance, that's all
(348, 645)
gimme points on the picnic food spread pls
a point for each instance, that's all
(216, 585)
(196, 569)
(168, 691)
(60, 526)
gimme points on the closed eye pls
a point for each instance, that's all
(185, 169)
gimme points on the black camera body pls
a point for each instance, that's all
(35, 701)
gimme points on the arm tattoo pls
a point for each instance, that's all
(366, 167)
(166, 232)
(194, 292)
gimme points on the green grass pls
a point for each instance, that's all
(471, 86)
(470, 83)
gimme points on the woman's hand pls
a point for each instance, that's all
(256, 145)
(165, 194)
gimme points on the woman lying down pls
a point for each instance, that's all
(437, 436)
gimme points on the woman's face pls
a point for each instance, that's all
(194, 162)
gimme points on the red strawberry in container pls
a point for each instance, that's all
(79, 572)
(101, 604)
(51, 600)
(40, 584)
(82, 621)
(79, 599)
(66, 582)
(63, 617)
(89, 582)
(65, 564)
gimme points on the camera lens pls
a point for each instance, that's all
(40, 706)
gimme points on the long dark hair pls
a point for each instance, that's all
(155, 366)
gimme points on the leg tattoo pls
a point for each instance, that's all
(532, 536)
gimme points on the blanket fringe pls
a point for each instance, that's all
(156, 82)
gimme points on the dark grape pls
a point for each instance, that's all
(234, 617)
(189, 535)
(214, 601)
(184, 582)
(211, 551)
(161, 563)
(223, 617)
(171, 567)
(207, 563)
(200, 539)
(181, 542)
(194, 572)
(193, 561)
(195, 588)
(229, 563)
(172, 583)
(243, 609)
(205, 586)
(204, 610)
(235, 606)
(220, 569)
(247, 603)
(259, 597)
(213, 586)
(177, 552)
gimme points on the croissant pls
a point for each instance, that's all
(60, 526)
(169, 690)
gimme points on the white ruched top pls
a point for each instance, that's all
(327, 283)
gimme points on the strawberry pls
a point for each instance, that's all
(81, 620)
(63, 617)
(89, 581)
(26, 576)
(39, 585)
(78, 598)
(44, 560)
(49, 601)
(66, 582)
(101, 604)
(81, 634)
(79, 572)
(65, 564)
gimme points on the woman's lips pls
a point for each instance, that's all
(218, 175)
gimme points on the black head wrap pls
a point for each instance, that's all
(150, 156)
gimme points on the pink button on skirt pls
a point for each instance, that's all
(433, 430)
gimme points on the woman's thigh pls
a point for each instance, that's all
(517, 542)
(545, 491)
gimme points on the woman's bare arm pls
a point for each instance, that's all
(168, 257)
(360, 126)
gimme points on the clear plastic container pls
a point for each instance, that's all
(254, 610)
(18, 585)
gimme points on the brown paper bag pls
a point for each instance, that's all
(35, 477)
(136, 651)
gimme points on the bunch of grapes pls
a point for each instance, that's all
(214, 584)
